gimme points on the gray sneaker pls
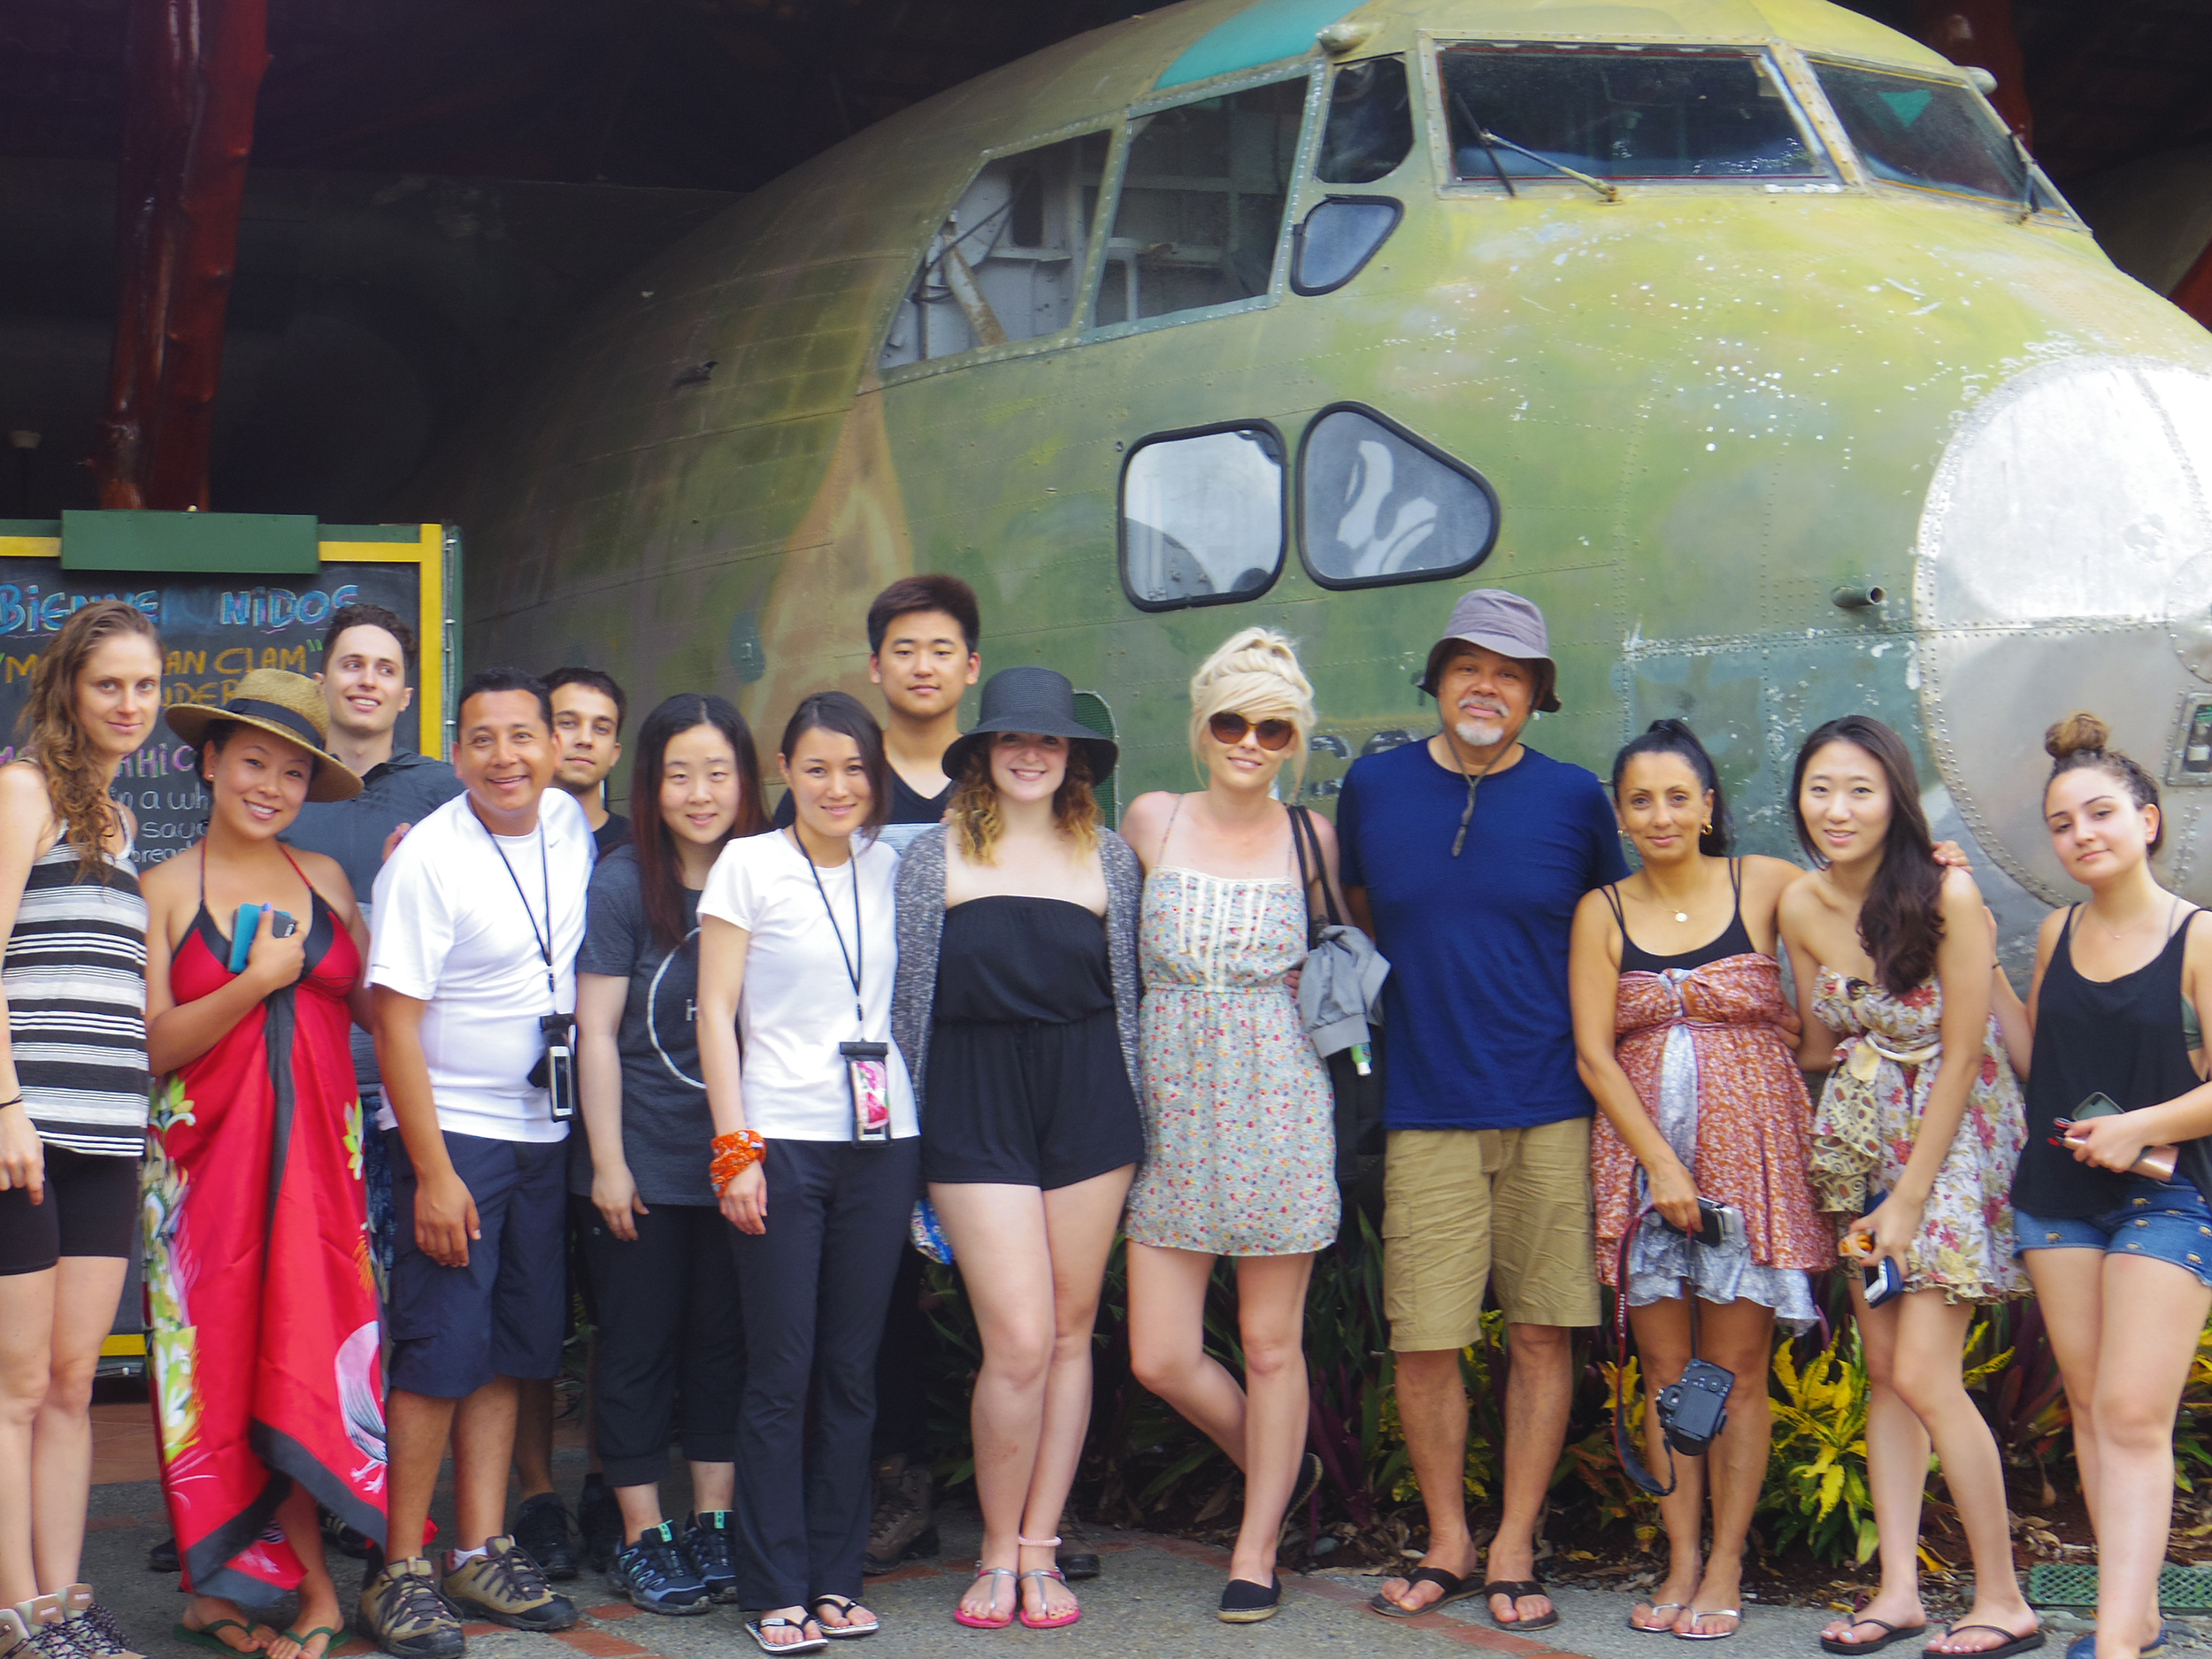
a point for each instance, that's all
(402, 1612)
(86, 1630)
(504, 1586)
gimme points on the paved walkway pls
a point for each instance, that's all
(1156, 1596)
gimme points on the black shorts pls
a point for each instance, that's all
(90, 1208)
(454, 1329)
(1030, 1104)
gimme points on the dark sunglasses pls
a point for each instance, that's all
(1271, 734)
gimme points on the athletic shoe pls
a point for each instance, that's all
(709, 1542)
(655, 1574)
(599, 1518)
(504, 1586)
(543, 1528)
(89, 1629)
(402, 1612)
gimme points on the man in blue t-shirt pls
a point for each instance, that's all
(1465, 857)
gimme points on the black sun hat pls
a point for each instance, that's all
(1037, 700)
(285, 705)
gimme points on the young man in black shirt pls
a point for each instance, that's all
(588, 711)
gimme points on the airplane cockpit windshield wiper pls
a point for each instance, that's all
(1492, 143)
(2027, 176)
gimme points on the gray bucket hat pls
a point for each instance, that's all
(1501, 622)
(1039, 700)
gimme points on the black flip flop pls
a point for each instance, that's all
(1517, 1588)
(1453, 1588)
(2011, 1644)
(1890, 1634)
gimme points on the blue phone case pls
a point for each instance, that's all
(242, 929)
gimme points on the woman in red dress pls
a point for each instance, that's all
(267, 1388)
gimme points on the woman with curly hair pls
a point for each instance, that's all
(1016, 1009)
(1915, 1143)
(72, 1098)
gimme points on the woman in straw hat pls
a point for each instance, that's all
(1016, 1009)
(264, 1327)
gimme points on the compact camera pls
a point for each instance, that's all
(1718, 1224)
(1693, 1412)
(556, 1069)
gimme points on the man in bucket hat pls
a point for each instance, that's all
(1465, 857)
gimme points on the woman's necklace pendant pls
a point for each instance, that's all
(1682, 916)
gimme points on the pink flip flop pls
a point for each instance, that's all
(961, 1616)
(1058, 1621)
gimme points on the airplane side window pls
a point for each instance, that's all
(1674, 114)
(1203, 198)
(1370, 129)
(1338, 239)
(1201, 516)
(1377, 504)
(1008, 262)
(1933, 133)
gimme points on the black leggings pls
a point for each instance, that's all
(90, 1208)
(670, 1331)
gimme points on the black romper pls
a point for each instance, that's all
(1027, 1085)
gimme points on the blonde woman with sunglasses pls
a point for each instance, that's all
(1241, 1149)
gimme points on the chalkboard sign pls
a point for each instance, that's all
(214, 629)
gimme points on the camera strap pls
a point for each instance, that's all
(545, 875)
(855, 960)
(1625, 1346)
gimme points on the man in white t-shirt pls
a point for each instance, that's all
(478, 913)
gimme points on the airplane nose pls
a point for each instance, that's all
(2064, 562)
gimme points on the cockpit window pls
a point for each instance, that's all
(1527, 113)
(1933, 133)
(1370, 129)
(1202, 198)
(1201, 516)
(1008, 262)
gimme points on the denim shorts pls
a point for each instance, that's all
(2167, 1221)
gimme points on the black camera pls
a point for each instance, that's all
(1694, 1411)
(556, 1069)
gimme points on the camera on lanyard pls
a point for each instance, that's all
(1693, 1410)
(556, 1069)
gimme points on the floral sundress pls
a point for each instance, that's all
(1869, 1115)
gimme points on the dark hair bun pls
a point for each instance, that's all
(2079, 733)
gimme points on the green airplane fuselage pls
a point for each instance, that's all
(1765, 453)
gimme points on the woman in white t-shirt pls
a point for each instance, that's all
(796, 953)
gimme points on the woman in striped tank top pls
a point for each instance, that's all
(72, 1100)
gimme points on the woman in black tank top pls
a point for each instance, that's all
(2121, 1255)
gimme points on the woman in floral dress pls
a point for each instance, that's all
(1687, 1044)
(1915, 1143)
(268, 1391)
(1241, 1149)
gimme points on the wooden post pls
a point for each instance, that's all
(193, 72)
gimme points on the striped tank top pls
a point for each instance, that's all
(74, 974)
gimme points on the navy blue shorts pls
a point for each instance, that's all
(2167, 1221)
(454, 1329)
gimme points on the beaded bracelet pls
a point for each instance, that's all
(734, 1154)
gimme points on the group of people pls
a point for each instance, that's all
(746, 1067)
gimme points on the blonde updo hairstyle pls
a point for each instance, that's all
(2079, 743)
(1255, 674)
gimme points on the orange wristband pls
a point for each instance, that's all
(734, 1154)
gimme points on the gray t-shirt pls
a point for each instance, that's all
(667, 1133)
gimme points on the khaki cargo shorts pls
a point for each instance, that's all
(1461, 1203)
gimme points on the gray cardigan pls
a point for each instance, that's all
(921, 893)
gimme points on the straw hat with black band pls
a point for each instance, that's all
(1035, 700)
(285, 705)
